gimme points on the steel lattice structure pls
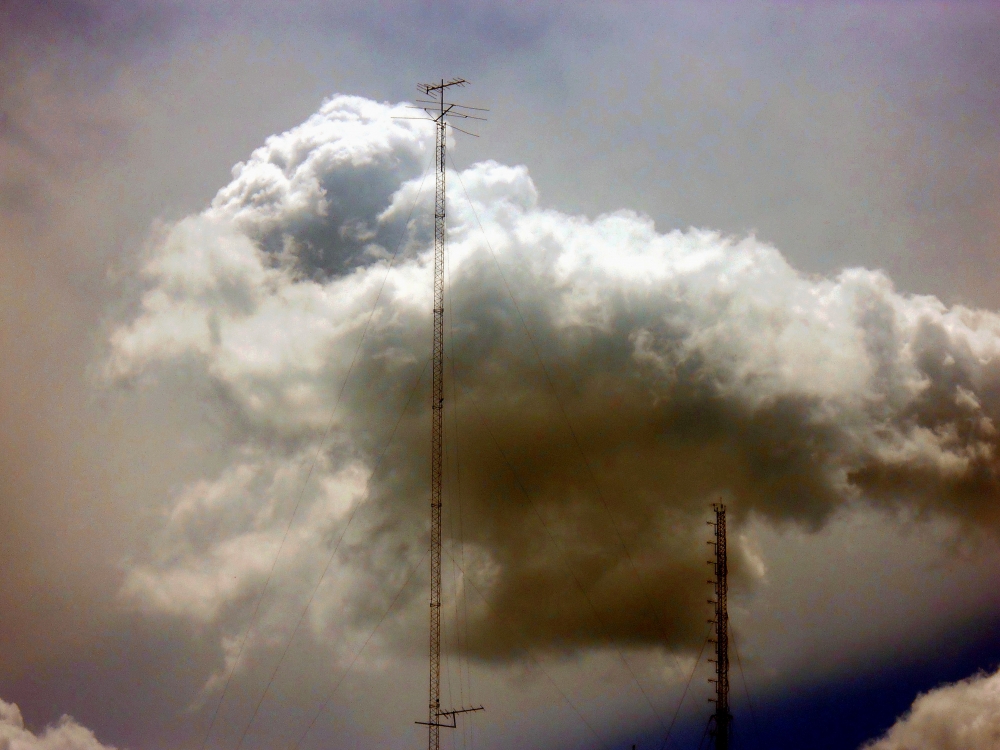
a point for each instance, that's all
(437, 425)
(721, 722)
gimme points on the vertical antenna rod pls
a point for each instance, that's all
(438, 115)
(720, 725)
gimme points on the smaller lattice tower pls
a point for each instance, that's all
(720, 724)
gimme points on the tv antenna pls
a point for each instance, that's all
(439, 111)
(720, 723)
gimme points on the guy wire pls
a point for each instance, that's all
(331, 558)
(312, 466)
(350, 666)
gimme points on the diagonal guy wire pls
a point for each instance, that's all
(350, 666)
(312, 466)
(330, 559)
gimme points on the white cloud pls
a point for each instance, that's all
(689, 364)
(962, 716)
(65, 735)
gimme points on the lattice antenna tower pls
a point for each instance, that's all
(720, 723)
(439, 111)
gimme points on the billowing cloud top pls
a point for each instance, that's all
(66, 735)
(678, 368)
(961, 716)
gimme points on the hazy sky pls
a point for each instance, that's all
(754, 246)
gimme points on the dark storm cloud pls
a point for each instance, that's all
(933, 105)
(60, 127)
(445, 30)
(56, 58)
(114, 25)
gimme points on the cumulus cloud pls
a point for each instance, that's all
(65, 735)
(961, 716)
(675, 369)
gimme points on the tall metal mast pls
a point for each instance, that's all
(720, 725)
(437, 413)
(439, 114)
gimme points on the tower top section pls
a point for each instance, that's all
(438, 110)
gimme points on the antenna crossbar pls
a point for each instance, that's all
(451, 104)
(453, 715)
(429, 88)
